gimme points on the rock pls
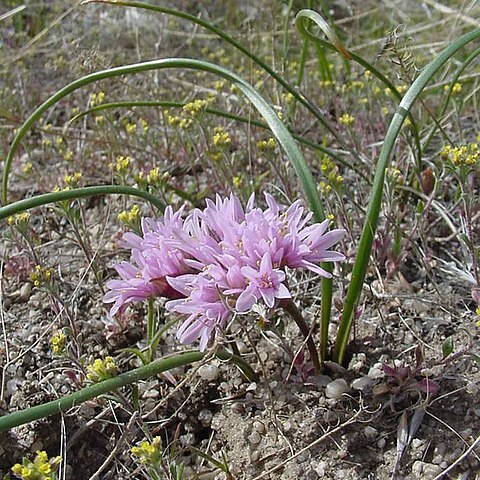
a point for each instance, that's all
(255, 438)
(205, 416)
(375, 373)
(255, 456)
(425, 471)
(370, 432)
(361, 383)
(259, 427)
(210, 372)
(25, 291)
(336, 388)
(320, 380)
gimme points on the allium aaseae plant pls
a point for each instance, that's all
(223, 261)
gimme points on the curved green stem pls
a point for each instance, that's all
(278, 129)
(46, 198)
(88, 393)
(374, 206)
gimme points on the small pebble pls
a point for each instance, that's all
(330, 417)
(361, 383)
(259, 427)
(336, 388)
(381, 443)
(370, 432)
(425, 471)
(255, 438)
(375, 373)
(205, 416)
(209, 372)
(25, 291)
(255, 456)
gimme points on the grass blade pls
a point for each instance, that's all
(40, 200)
(366, 240)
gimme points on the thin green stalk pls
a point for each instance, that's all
(46, 198)
(374, 206)
(212, 28)
(141, 373)
(304, 54)
(221, 113)
(150, 321)
(278, 129)
(324, 67)
(285, 32)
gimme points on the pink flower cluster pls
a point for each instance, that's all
(220, 260)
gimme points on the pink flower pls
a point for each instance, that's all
(221, 260)
(265, 283)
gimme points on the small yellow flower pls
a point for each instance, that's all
(268, 144)
(101, 370)
(331, 216)
(221, 138)
(68, 155)
(27, 169)
(185, 123)
(122, 165)
(41, 275)
(154, 176)
(73, 180)
(456, 88)
(357, 84)
(215, 156)
(19, 219)
(346, 119)
(42, 468)
(219, 85)
(465, 155)
(195, 108)
(148, 453)
(144, 125)
(131, 216)
(58, 342)
(288, 97)
(97, 98)
(173, 120)
(131, 128)
(237, 181)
